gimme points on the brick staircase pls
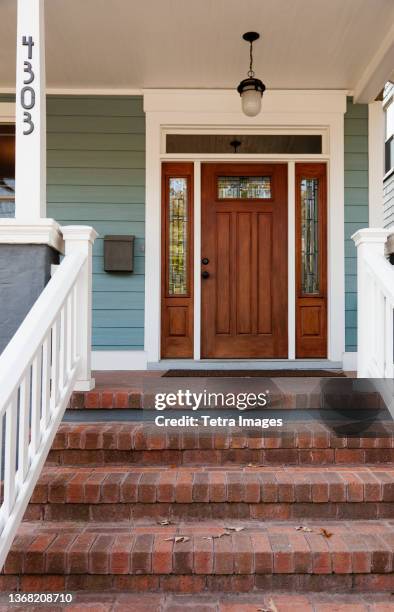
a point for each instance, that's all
(224, 519)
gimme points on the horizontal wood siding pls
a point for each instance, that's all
(356, 206)
(96, 176)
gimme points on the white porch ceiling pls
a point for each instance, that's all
(124, 44)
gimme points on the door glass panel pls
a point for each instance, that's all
(310, 281)
(244, 187)
(178, 237)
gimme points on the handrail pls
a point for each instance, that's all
(24, 344)
(383, 273)
(38, 372)
(375, 305)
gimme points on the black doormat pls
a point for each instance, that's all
(253, 373)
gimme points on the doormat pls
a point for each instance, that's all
(254, 373)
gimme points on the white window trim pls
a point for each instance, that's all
(220, 110)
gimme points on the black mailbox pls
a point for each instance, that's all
(118, 253)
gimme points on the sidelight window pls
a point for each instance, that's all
(310, 247)
(178, 237)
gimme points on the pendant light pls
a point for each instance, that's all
(251, 89)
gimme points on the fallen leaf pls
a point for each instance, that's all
(325, 533)
(178, 539)
(234, 528)
(303, 528)
(272, 606)
(165, 522)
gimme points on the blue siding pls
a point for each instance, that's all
(96, 176)
(356, 206)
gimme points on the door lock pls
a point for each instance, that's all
(205, 261)
(205, 274)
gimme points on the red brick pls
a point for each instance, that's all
(203, 555)
(56, 554)
(263, 558)
(40, 584)
(75, 488)
(341, 557)
(286, 489)
(92, 488)
(14, 560)
(200, 487)
(183, 488)
(34, 561)
(110, 488)
(147, 488)
(243, 554)
(182, 584)
(183, 557)
(235, 487)
(283, 554)
(302, 555)
(129, 488)
(99, 554)
(92, 399)
(217, 487)
(162, 554)
(121, 399)
(78, 554)
(223, 555)
(141, 555)
(120, 554)
(361, 556)
(107, 399)
(321, 560)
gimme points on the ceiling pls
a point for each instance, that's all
(306, 44)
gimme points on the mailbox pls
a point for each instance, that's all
(118, 253)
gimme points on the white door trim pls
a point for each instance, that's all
(220, 110)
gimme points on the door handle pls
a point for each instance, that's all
(205, 274)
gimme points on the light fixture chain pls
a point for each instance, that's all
(251, 71)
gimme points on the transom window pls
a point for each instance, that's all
(244, 187)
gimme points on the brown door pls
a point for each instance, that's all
(244, 261)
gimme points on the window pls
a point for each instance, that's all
(7, 171)
(245, 143)
(310, 279)
(178, 237)
(244, 187)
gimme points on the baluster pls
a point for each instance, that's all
(10, 457)
(69, 331)
(46, 380)
(75, 310)
(36, 403)
(24, 425)
(388, 339)
(55, 366)
(62, 348)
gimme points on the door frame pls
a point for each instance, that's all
(186, 111)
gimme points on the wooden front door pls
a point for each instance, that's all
(244, 261)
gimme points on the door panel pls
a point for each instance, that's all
(244, 237)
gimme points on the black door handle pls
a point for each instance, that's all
(205, 261)
(205, 274)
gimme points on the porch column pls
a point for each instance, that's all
(375, 163)
(30, 113)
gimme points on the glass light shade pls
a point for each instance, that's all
(251, 102)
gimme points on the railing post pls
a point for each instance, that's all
(80, 238)
(369, 241)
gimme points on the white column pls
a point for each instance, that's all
(80, 238)
(375, 163)
(369, 241)
(30, 112)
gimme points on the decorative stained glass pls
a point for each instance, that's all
(178, 237)
(244, 187)
(310, 281)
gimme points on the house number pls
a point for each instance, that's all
(28, 95)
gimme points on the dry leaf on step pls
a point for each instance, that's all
(234, 528)
(165, 522)
(303, 528)
(325, 533)
(178, 539)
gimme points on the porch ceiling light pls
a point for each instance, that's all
(251, 89)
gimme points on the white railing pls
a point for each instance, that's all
(375, 305)
(48, 357)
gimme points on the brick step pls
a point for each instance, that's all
(225, 602)
(284, 394)
(212, 555)
(108, 494)
(144, 443)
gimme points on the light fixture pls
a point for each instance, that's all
(251, 89)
